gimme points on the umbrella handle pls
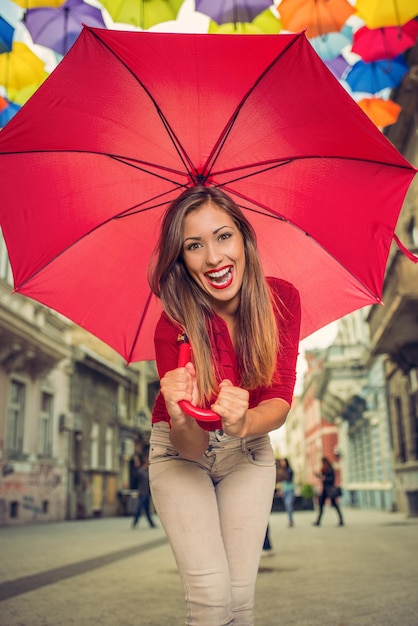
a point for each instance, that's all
(205, 415)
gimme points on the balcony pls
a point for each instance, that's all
(394, 326)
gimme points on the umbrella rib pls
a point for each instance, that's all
(269, 213)
(211, 160)
(184, 157)
(138, 330)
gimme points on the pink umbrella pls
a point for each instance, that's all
(375, 44)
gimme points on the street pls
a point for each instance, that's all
(103, 572)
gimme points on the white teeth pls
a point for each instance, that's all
(219, 274)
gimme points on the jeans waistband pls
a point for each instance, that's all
(218, 440)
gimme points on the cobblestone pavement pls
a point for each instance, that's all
(103, 572)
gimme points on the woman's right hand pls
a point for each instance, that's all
(176, 385)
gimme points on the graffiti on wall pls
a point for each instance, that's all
(31, 492)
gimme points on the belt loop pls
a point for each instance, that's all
(244, 445)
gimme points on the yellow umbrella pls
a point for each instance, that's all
(381, 13)
(35, 4)
(20, 96)
(20, 67)
(381, 112)
(141, 13)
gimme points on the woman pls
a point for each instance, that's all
(212, 483)
(327, 475)
(287, 489)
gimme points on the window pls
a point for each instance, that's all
(401, 451)
(15, 417)
(109, 448)
(45, 424)
(94, 446)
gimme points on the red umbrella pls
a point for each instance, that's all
(375, 44)
(87, 172)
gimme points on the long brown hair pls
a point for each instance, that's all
(189, 306)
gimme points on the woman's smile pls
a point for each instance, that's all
(221, 278)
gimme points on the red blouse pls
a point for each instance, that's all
(167, 351)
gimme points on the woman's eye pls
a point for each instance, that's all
(193, 246)
(225, 236)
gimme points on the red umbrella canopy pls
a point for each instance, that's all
(149, 114)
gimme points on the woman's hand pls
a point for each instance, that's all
(232, 405)
(177, 385)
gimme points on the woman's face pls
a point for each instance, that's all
(213, 252)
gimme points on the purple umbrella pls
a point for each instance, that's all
(232, 11)
(337, 66)
(58, 28)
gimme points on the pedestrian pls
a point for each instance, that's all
(287, 489)
(327, 476)
(144, 493)
(267, 545)
(213, 482)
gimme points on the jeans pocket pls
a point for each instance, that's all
(160, 452)
(260, 452)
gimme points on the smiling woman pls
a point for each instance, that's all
(244, 333)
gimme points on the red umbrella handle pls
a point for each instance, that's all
(205, 415)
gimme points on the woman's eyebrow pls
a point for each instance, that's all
(198, 238)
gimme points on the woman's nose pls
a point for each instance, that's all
(213, 255)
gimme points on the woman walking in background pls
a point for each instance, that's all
(287, 489)
(327, 476)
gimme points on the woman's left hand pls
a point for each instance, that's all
(232, 405)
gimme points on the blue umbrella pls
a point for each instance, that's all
(6, 35)
(7, 113)
(378, 75)
(329, 46)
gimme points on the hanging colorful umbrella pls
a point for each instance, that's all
(58, 28)
(316, 16)
(329, 46)
(150, 114)
(32, 4)
(382, 112)
(265, 23)
(384, 43)
(140, 13)
(378, 75)
(6, 35)
(3, 103)
(338, 66)
(232, 11)
(8, 112)
(379, 13)
(20, 67)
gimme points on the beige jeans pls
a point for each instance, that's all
(215, 513)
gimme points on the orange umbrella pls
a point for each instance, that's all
(379, 13)
(317, 16)
(381, 112)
